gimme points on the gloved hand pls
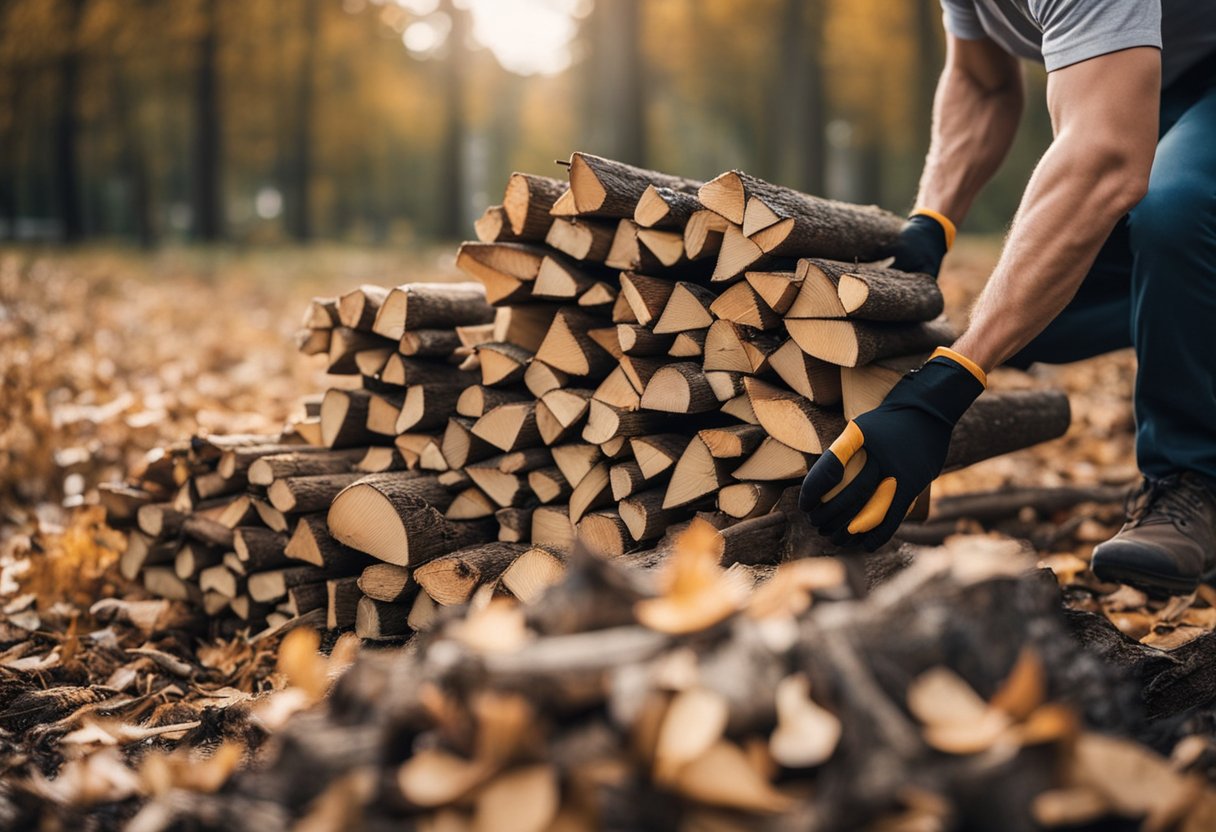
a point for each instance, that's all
(923, 242)
(860, 490)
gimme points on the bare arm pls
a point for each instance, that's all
(1104, 113)
(975, 116)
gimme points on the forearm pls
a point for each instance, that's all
(975, 117)
(1068, 210)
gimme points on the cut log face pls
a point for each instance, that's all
(401, 371)
(736, 255)
(378, 460)
(725, 195)
(505, 270)
(739, 349)
(386, 582)
(471, 504)
(772, 461)
(864, 388)
(451, 579)
(540, 378)
(667, 247)
(605, 422)
(647, 296)
(725, 384)
(527, 202)
(492, 226)
(703, 234)
(502, 364)
(778, 290)
(423, 306)
(696, 475)
(626, 478)
(260, 549)
(604, 187)
(748, 499)
(313, 341)
(533, 572)
(582, 239)
(646, 517)
(593, 491)
(476, 400)
(568, 347)
(687, 308)
(312, 543)
(852, 343)
(568, 406)
(509, 427)
(806, 375)
(690, 344)
(560, 279)
(663, 207)
(429, 343)
(426, 407)
(604, 532)
(659, 453)
(617, 390)
(321, 313)
(733, 441)
(551, 526)
(357, 308)
(265, 470)
(396, 518)
(889, 295)
(504, 489)
(742, 305)
(383, 411)
(792, 419)
(576, 460)
(679, 388)
(345, 345)
(342, 599)
(549, 485)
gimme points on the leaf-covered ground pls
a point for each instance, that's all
(108, 696)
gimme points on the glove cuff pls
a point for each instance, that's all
(941, 219)
(943, 385)
(964, 362)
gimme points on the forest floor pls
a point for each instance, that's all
(107, 354)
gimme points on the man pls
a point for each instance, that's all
(1110, 247)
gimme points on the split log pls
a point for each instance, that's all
(505, 270)
(647, 518)
(193, 557)
(304, 599)
(551, 526)
(357, 308)
(502, 364)
(311, 542)
(494, 227)
(377, 460)
(562, 279)
(549, 484)
(321, 313)
(703, 234)
(476, 400)
(779, 290)
(793, 419)
(509, 427)
(686, 308)
(527, 201)
(524, 324)
(451, 579)
(605, 422)
(426, 407)
(219, 580)
(582, 239)
(739, 349)
(618, 390)
(378, 621)
(637, 340)
(260, 549)
(831, 289)
(313, 341)
(387, 582)
(204, 529)
(265, 470)
(593, 491)
(533, 572)
(658, 453)
(345, 345)
(429, 343)
(303, 495)
(626, 478)
(396, 518)
(1006, 421)
(740, 408)
(344, 419)
(568, 347)
(748, 499)
(679, 388)
(663, 207)
(774, 461)
(689, 344)
(863, 388)
(342, 598)
(696, 475)
(817, 380)
(852, 343)
(646, 296)
(422, 613)
(733, 441)
(540, 378)
(504, 489)
(160, 520)
(606, 188)
(741, 304)
(383, 410)
(461, 446)
(470, 503)
(514, 524)
(273, 585)
(604, 532)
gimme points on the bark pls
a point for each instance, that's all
(451, 579)
(305, 495)
(854, 343)
(1000, 423)
(431, 306)
(605, 188)
(260, 549)
(208, 132)
(527, 201)
(377, 620)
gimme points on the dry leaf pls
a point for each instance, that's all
(788, 592)
(696, 592)
(1025, 688)
(1173, 639)
(301, 661)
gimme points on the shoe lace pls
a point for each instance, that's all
(1175, 499)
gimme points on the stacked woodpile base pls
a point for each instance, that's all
(638, 350)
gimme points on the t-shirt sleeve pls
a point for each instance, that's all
(962, 20)
(1077, 30)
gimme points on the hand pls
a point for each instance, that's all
(923, 243)
(860, 490)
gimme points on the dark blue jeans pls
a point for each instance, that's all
(1153, 287)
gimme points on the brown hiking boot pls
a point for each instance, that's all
(1168, 544)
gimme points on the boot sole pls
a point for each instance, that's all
(1151, 583)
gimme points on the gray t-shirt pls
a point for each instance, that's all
(1064, 32)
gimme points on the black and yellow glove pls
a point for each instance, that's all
(923, 242)
(860, 490)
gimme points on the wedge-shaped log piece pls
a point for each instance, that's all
(549, 485)
(461, 446)
(626, 478)
(725, 384)
(451, 579)
(772, 461)
(502, 364)
(313, 341)
(383, 410)
(397, 518)
(568, 347)
(357, 308)
(696, 475)
(429, 343)
(593, 491)
(663, 207)
(658, 453)
(301, 495)
(806, 375)
(494, 227)
(690, 344)
(560, 278)
(527, 201)
(646, 296)
(321, 313)
(312, 543)
(605, 422)
(778, 290)
(377, 460)
(739, 349)
(793, 419)
(477, 400)
(679, 388)
(604, 532)
(267, 469)
(509, 427)
(617, 390)
(426, 407)
(637, 340)
(743, 305)
(568, 406)
(628, 253)
(833, 289)
(504, 489)
(387, 582)
(422, 306)
(505, 270)
(540, 378)
(471, 504)
(732, 441)
(380, 621)
(736, 255)
(852, 343)
(582, 239)
(345, 346)
(748, 499)
(341, 601)
(534, 571)
(687, 308)
(259, 549)
(646, 518)
(514, 523)
(703, 234)
(401, 371)
(551, 526)
(607, 188)
(576, 460)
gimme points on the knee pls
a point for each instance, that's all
(1174, 216)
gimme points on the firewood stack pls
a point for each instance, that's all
(638, 350)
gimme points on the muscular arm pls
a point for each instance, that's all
(1104, 113)
(975, 115)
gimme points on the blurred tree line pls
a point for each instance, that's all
(379, 121)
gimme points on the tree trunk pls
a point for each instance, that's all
(67, 128)
(208, 132)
